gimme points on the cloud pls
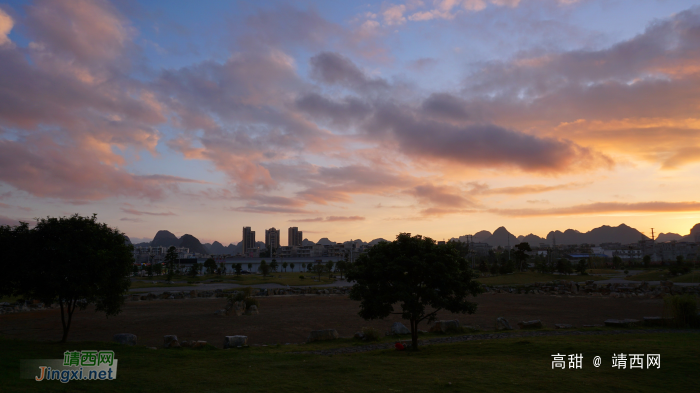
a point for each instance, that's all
(422, 64)
(268, 209)
(440, 195)
(11, 221)
(142, 213)
(335, 69)
(330, 219)
(317, 219)
(343, 218)
(603, 208)
(393, 15)
(171, 179)
(6, 24)
(45, 169)
(131, 219)
(482, 145)
(527, 189)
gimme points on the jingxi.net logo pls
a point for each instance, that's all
(75, 366)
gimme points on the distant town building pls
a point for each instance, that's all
(248, 239)
(294, 237)
(272, 238)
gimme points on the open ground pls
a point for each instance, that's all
(289, 319)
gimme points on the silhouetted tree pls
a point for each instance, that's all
(74, 261)
(415, 272)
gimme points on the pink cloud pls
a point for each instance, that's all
(142, 213)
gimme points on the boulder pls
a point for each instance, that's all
(534, 324)
(236, 308)
(235, 341)
(198, 344)
(446, 326)
(563, 326)
(399, 328)
(185, 344)
(170, 342)
(359, 335)
(252, 310)
(656, 321)
(621, 322)
(221, 312)
(502, 324)
(322, 335)
(125, 338)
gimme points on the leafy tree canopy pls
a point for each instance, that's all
(416, 273)
(74, 261)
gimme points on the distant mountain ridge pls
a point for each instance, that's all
(500, 237)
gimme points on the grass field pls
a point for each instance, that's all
(660, 275)
(282, 278)
(604, 271)
(507, 365)
(532, 277)
(136, 284)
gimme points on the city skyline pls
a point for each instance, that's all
(439, 118)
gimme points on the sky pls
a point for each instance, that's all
(351, 120)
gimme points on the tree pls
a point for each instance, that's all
(74, 261)
(564, 266)
(284, 266)
(238, 268)
(170, 259)
(193, 269)
(274, 265)
(329, 268)
(319, 268)
(158, 268)
(581, 267)
(340, 266)
(149, 270)
(417, 273)
(250, 266)
(291, 266)
(264, 268)
(521, 255)
(617, 262)
(303, 267)
(210, 265)
(647, 261)
(135, 270)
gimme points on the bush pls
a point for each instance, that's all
(251, 302)
(683, 309)
(371, 334)
(301, 277)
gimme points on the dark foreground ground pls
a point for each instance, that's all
(290, 319)
(522, 364)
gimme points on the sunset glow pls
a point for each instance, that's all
(351, 120)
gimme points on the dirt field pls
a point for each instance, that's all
(290, 319)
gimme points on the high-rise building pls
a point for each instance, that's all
(294, 236)
(248, 239)
(272, 238)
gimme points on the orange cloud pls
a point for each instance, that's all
(603, 208)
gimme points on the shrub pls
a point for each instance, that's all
(301, 277)
(371, 334)
(683, 309)
(251, 302)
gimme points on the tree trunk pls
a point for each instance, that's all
(414, 334)
(70, 307)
